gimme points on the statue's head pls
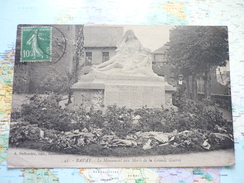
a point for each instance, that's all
(129, 35)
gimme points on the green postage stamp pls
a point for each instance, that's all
(36, 44)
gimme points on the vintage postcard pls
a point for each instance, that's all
(121, 96)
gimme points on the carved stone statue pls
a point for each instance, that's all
(127, 79)
(130, 58)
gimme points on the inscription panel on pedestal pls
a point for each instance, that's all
(133, 96)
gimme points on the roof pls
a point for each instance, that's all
(161, 49)
(102, 36)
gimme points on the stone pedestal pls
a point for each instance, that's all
(135, 94)
(122, 90)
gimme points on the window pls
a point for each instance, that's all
(88, 60)
(105, 56)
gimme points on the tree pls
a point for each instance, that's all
(198, 49)
(79, 51)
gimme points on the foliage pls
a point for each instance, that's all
(156, 119)
(81, 130)
(29, 136)
(54, 83)
(21, 132)
(198, 48)
(203, 115)
(118, 120)
(83, 119)
(150, 118)
(46, 112)
(15, 114)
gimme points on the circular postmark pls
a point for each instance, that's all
(59, 44)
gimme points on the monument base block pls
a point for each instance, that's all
(130, 91)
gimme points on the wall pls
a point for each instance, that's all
(34, 77)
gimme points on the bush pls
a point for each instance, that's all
(46, 112)
(22, 132)
(156, 119)
(90, 120)
(189, 126)
(54, 83)
(203, 115)
(118, 120)
(15, 114)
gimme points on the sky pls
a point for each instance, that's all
(151, 36)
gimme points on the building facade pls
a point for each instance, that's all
(100, 44)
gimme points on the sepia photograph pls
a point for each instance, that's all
(121, 96)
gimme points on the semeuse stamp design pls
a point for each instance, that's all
(36, 44)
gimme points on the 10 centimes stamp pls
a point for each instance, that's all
(36, 44)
